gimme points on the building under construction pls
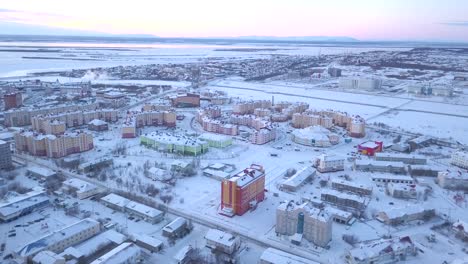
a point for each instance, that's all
(243, 191)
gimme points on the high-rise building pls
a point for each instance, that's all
(5, 157)
(13, 100)
(243, 191)
(304, 221)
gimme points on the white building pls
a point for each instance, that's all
(82, 188)
(222, 241)
(382, 251)
(274, 256)
(149, 214)
(23, 204)
(379, 166)
(406, 191)
(453, 180)
(157, 174)
(360, 83)
(405, 158)
(126, 253)
(299, 178)
(41, 172)
(61, 239)
(48, 257)
(460, 159)
(328, 163)
(398, 216)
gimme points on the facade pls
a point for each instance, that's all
(304, 221)
(165, 118)
(222, 241)
(147, 213)
(344, 200)
(387, 178)
(348, 186)
(5, 157)
(13, 100)
(360, 84)
(129, 129)
(380, 166)
(216, 126)
(406, 191)
(316, 136)
(369, 148)
(423, 170)
(382, 251)
(398, 216)
(460, 159)
(329, 163)
(17, 206)
(41, 172)
(72, 118)
(59, 240)
(166, 142)
(243, 191)
(274, 256)
(53, 146)
(186, 100)
(334, 72)
(150, 243)
(249, 107)
(407, 159)
(22, 116)
(453, 180)
(82, 189)
(217, 141)
(263, 136)
(125, 253)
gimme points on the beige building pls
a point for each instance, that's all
(249, 107)
(304, 221)
(222, 241)
(328, 163)
(53, 146)
(460, 159)
(43, 123)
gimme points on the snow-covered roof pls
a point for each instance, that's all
(313, 212)
(312, 132)
(342, 195)
(146, 239)
(43, 172)
(407, 210)
(97, 122)
(271, 255)
(121, 254)
(47, 256)
(379, 163)
(182, 253)
(398, 155)
(175, 224)
(369, 144)
(247, 175)
(220, 237)
(382, 246)
(326, 157)
(352, 184)
(299, 177)
(40, 244)
(17, 203)
(215, 137)
(80, 185)
(115, 200)
(143, 209)
(93, 244)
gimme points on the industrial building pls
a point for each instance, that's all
(380, 166)
(166, 142)
(369, 148)
(243, 191)
(329, 163)
(300, 220)
(382, 251)
(360, 83)
(460, 159)
(5, 158)
(14, 207)
(59, 240)
(222, 241)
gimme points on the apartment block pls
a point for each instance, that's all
(5, 157)
(460, 159)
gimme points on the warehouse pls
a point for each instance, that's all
(17, 206)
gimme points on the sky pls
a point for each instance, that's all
(423, 20)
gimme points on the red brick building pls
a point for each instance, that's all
(369, 148)
(13, 100)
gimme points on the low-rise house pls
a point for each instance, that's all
(222, 241)
(406, 191)
(150, 243)
(176, 228)
(157, 174)
(41, 172)
(183, 255)
(380, 166)
(329, 163)
(453, 180)
(386, 178)
(398, 216)
(344, 200)
(382, 251)
(48, 257)
(407, 159)
(125, 253)
(339, 216)
(298, 180)
(149, 214)
(82, 188)
(347, 186)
